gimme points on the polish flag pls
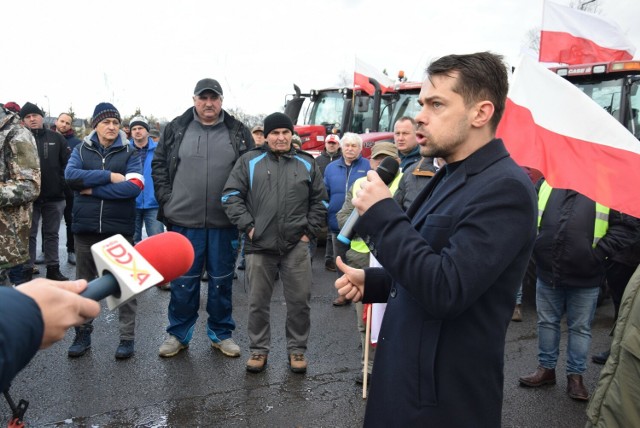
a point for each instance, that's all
(571, 36)
(361, 75)
(550, 125)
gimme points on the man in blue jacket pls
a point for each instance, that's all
(146, 203)
(338, 179)
(106, 176)
(452, 263)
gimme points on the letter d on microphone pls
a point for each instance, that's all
(133, 273)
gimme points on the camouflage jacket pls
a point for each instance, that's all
(20, 186)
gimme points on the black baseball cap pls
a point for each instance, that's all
(208, 85)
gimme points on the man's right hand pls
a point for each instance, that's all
(351, 284)
(117, 177)
(60, 305)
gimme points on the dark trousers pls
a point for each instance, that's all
(618, 275)
(68, 209)
(51, 214)
(86, 269)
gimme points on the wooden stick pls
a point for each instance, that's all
(365, 369)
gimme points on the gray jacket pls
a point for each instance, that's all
(167, 160)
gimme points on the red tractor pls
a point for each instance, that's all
(340, 110)
(613, 85)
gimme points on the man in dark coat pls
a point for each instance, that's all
(53, 153)
(452, 263)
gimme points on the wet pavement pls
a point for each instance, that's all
(202, 388)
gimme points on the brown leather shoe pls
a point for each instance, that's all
(257, 362)
(517, 314)
(298, 363)
(341, 301)
(576, 389)
(540, 377)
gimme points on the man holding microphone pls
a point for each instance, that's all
(453, 263)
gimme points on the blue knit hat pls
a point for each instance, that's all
(104, 111)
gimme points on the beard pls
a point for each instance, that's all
(444, 145)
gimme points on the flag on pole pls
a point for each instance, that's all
(550, 125)
(571, 36)
(363, 72)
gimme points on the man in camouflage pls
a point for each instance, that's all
(20, 186)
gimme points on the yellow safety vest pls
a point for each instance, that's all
(357, 244)
(602, 213)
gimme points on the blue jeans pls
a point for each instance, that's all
(213, 248)
(149, 217)
(579, 304)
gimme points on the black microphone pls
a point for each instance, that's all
(387, 170)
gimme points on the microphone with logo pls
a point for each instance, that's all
(387, 170)
(126, 271)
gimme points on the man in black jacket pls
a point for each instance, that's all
(64, 127)
(54, 154)
(276, 196)
(452, 263)
(575, 238)
(191, 164)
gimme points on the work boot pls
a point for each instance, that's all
(53, 272)
(517, 314)
(576, 389)
(71, 257)
(125, 350)
(601, 358)
(256, 363)
(538, 378)
(330, 265)
(82, 341)
(27, 273)
(297, 363)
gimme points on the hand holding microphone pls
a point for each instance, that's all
(127, 271)
(372, 191)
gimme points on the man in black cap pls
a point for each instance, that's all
(275, 195)
(53, 152)
(191, 164)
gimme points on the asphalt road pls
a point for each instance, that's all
(202, 388)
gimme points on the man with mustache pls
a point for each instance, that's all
(452, 263)
(192, 162)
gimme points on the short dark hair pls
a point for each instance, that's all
(409, 118)
(481, 76)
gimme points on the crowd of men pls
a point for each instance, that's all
(454, 232)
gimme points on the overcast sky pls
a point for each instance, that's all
(149, 55)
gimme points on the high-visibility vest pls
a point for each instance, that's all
(602, 214)
(357, 244)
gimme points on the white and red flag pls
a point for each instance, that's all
(571, 36)
(361, 75)
(550, 125)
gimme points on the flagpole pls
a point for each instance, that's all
(365, 368)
